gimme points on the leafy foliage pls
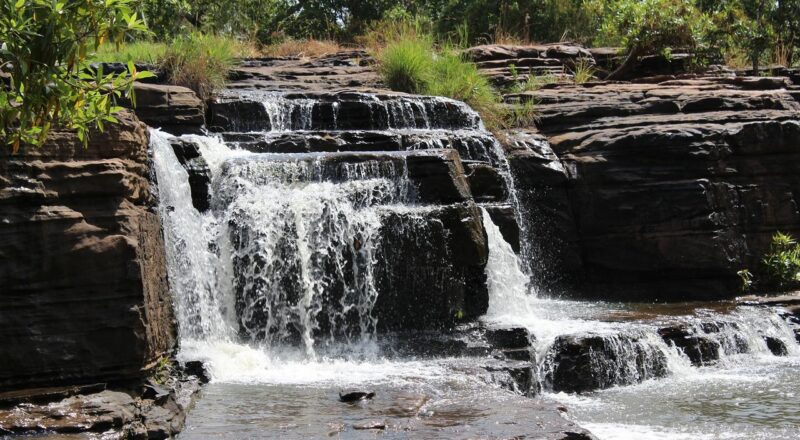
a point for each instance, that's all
(44, 58)
(781, 265)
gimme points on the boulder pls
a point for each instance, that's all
(587, 362)
(85, 295)
(439, 176)
(174, 109)
(701, 350)
(188, 154)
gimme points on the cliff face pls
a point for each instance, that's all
(84, 292)
(669, 188)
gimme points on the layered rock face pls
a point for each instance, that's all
(662, 191)
(85, 296)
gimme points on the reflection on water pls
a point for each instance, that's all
(449, 407)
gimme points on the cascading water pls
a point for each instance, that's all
(287, 256)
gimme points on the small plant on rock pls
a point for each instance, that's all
(781, 266)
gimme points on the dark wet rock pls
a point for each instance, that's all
(84, 275)
(238, 116)
(174, 109)
(463, 340)
(671, 187)
(100, 412)
(439, 176)
(198, 370)
(343, 110)
(355, 396)
(41, 396)
(516, 337)
(516, 376)
(580, 363)
(486, 183)
(505, 218)
(188, 154)
(432, 268)
(542, 191)
(700, 350)
(776, 346)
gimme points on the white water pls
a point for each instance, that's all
(274, 223)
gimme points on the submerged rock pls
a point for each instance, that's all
(355, 396)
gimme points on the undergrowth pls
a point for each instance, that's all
(410, 61)
(198, 61)
(779, 268)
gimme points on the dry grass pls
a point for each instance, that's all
(509, 39)
(301, 48)
(781, 54)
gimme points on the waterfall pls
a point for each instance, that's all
(507, 283)
(192, 267)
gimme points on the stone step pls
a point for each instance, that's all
(254, 111)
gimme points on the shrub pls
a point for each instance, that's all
(411, 64)
(781, 265)
(201, 62)
(649, 26)
(45, 49)
(407, 65)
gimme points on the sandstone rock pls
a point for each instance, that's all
(486, 183)
(439, 177)
(97, 413)
(431, 272)
(504, 216)
(85, 294)
(174, 109)
(671, 187)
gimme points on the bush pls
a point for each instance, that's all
(202, 62)
(781, 266)
(45, 49)
(407, 65)
(411, 63)
(648, 26)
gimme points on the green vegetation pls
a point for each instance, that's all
(780, 267)
(649, 26)
(44, 54)
(411, 62)
(139, 51)
(198, 61)
(47, 46)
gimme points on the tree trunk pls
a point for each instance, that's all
(627, 65)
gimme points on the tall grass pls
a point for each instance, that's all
(197, 61)
(407, 65)
(139, 52)
(410, 61)
(201, 62)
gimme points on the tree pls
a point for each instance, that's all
(47, 79)
(648, 26)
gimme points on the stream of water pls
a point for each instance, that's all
(252, 280)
